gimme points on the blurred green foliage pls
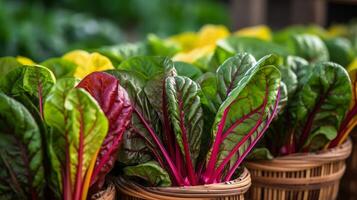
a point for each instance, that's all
(45, 28)
(39, 33)
(163, 17)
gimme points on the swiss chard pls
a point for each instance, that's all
(237, 122)
(179, 104)
(21, 159)
(60, 67)
(350, 120)
(115, 103)
(315, 110)
(79, 127)
(327, 89)
(29, 83)
(310, 47)
(7, 64)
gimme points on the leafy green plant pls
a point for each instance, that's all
(79, 127)
(66, 140)
(116, 105)
(310, 47)
(168, 117)
(314, 111)
(21, 161)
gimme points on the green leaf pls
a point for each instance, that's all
(289, 78)
(257, 47)
(7, 64)
(32, 81)
(186, 69)
(135, 149)
(310, 47)
(56, 117)
(150, 172)
(284, 36)
(231, 72)
(320, 137)
(265, 61)
(323, 99)
(161, 47)
(185, 113)
(299, 66)
(247, 105)
(340, 50)
(87, 129)
(119, 53)
(60, 67)
(260, 153)
(155, 87)
(21, 154)
(79, 127)
(283, 97)
(209, 97)
(147, 66)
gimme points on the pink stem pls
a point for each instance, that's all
(239, 161)
(78, 182)
(245, 138)
(217, 142)
(234, 150)
(162, 149)
(190, 169)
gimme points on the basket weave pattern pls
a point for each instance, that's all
(232, 190)
(108, 194)
(303, 176)
(348, 188)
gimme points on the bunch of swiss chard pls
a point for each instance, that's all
(317, 114)
(59, 138)
(191, 132)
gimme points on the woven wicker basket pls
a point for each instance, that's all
(108, 194)
(232, 190)
(303, 176)
(348, 189)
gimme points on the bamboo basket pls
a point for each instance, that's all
(302, 176)
(108, 194)
(348, 187)
(231, 190)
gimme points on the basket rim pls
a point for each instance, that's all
(109, 193)
(296, 161)
(237, 186)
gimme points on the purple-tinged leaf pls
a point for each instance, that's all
(115, 103)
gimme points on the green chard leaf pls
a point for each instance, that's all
(60, 67)
(147, 66)
(243, 116)
(150, 172)
(29, 82)
(260, 153)
(320, 104)
(185, 114)
(79, 127)
(257, 47)
(21, 156)
(340, 51)
(310, 47)
(8, 64)
(136, 140)
(209, 97)
(231, 72)
(119, 53)
(158, 46)
(186, 69)
(299, 66)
